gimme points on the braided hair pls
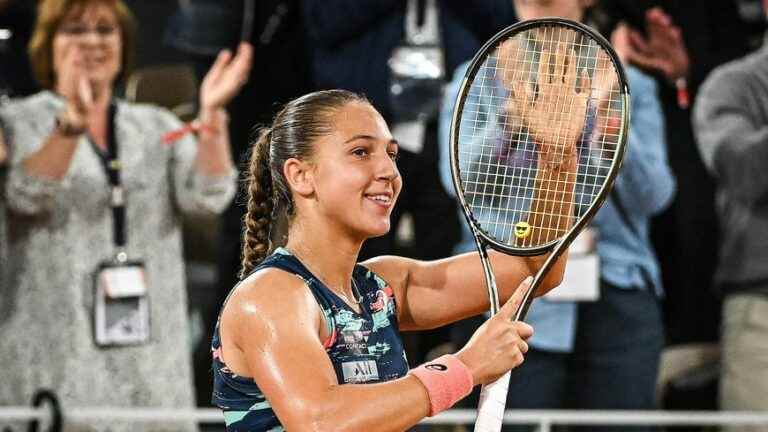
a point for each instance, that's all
(292, 134)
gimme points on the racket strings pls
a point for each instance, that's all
(516, 131)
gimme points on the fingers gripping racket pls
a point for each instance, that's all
(537, 137)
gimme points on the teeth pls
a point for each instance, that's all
(381, 198)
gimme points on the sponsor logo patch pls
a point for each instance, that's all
(359, 371)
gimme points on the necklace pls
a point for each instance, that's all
(358, 298)
(355, 292)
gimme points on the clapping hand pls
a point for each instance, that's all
(3, 151)
(74, 86)
(226, 77)
(663, 51)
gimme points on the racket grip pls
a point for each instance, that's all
(493, 402)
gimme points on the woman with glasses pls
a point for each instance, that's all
(78, 155)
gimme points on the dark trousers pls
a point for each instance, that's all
(614, 364)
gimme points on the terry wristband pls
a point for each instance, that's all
(447, 381)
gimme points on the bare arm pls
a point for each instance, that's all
(271, 331)
(214, 157)
(434, 293)
(52, 160)
(3, 149)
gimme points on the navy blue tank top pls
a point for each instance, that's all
(364, 347)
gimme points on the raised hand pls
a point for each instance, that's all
(500, 343)
(74, 86)
(663, 50)
(604, 89)
(555, 119)
(3, 151)
(225, 78)
(510, 61)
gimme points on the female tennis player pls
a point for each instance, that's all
(310, 340)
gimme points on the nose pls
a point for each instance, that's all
(90, 38)
(386, 168)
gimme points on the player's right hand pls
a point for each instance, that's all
(500, 343)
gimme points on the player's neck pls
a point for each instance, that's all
(324, 251)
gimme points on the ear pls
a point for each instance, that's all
(299, 176)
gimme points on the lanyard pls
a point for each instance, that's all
(111, 163)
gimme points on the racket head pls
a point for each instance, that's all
(494, 157)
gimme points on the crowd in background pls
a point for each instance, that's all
(697, 247)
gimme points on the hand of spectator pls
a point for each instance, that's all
(225, 78)
(554, 129)
(510, 60)
(663, 50)
(604, 90)
(75, 87)
(3, 151)
(604, 80)
(620, 41)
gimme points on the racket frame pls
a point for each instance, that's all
(493, 395)
(559, 245)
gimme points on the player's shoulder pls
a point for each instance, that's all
(268, 292)
(389, 270)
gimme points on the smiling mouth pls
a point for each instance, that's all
(380, 198)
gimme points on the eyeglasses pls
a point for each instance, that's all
(79, 30)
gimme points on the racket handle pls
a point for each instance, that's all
(493, 402)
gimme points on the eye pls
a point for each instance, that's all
(393, 154)
(360, 152)
(73, 29)
(106, 30)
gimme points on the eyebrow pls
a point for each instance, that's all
(370, 137)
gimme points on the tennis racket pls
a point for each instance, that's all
(537, 138)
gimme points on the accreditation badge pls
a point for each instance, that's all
(581, 281)
(121, 306)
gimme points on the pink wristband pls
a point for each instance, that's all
(447, 381)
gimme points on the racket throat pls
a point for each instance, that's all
(490, 279)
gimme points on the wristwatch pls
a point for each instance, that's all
(65, 127)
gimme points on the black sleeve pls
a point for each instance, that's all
(726, 40)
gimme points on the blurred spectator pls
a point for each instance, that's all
(200, 29)
(64, 196)
(680, 42)
(614, 342)
(17, 17)
(3, 151)
(352, 44)
(3, 226)
(731, 125)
